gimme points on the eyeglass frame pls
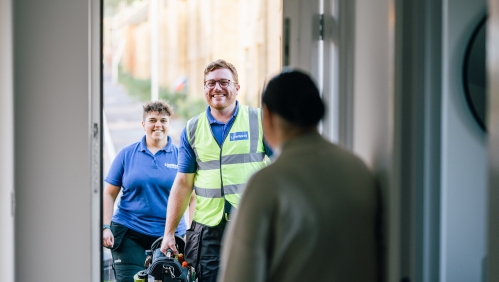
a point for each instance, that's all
(218, 81)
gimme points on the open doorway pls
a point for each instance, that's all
(158, 49)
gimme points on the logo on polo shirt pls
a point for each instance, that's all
(171, 165)
(239, 136)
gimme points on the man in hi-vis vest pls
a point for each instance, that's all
(219, 150)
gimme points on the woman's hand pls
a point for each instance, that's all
(108, 197)
(108, 238)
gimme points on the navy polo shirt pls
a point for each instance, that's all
(187, 158)
(146, 181)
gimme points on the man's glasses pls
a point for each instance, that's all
(210, 84)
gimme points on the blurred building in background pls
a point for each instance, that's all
(191, 34)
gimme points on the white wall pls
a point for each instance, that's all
(373, 112)
(373, 81)
(52, 140)
(464, 155)
(6, 144)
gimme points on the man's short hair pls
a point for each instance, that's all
(294, 96)
(161, 107)
(221, 64)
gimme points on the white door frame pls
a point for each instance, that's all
(95, 101)
(493, 131)
(7, 200)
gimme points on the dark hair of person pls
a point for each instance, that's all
(221, 64)
(161, 107)
(294, 96)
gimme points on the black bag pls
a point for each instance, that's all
(167, 268)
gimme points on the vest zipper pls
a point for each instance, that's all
(220, 160)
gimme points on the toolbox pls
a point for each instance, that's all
(165, 268)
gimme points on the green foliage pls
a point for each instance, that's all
(189, 107)
(137, 89)
(140, 90)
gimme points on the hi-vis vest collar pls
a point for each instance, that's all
(224, 170)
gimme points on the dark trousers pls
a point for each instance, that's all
(128, 251)
(202, 249)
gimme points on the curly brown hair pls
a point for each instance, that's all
(222, 64)
(161, 107)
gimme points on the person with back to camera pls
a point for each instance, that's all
(146, 171)
(311, 215)
(219, 150)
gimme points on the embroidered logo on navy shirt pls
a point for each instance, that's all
(239, 136)
(171, 165)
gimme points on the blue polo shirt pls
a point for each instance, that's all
(146, 181)
(187, 158)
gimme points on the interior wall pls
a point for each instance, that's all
(417, 103)
(52, 140)
(6, 144)
(464, 155)
(373, 109)
(373, 66)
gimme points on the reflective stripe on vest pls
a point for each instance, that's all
(222, 172)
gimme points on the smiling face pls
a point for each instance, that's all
(220, 98)
(156, 126)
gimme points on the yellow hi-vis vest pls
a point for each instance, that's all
(222, 171)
